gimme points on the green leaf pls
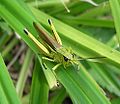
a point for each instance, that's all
(6, 85)
(40, 89)
(103, 76)
(24, 73)
(3, 99)
(59, 96)
(80, 85)
(115, 7)
(115, 101)
(13, 42)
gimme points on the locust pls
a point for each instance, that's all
(53, 49)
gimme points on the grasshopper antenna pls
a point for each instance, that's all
(90, 58)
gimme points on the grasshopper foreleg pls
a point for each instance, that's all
(48, 59)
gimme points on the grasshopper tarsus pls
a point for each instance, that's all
(25, 31)
(44, 65)
(58, 84)
(49, 21)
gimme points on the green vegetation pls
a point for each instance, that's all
(90, 30)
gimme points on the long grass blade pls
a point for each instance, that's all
(40, 88)
(115, 7)
(6, 84)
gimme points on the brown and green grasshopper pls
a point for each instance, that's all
(54, 51)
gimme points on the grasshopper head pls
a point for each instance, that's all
(67, 54)
(68, 57)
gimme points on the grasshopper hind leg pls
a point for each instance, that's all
(57, 38)
(48, 59)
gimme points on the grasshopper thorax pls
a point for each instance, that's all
(63, 55)
(66, 53)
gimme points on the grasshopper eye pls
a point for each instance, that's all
(65, 58)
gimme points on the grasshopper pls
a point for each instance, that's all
(54, 51)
